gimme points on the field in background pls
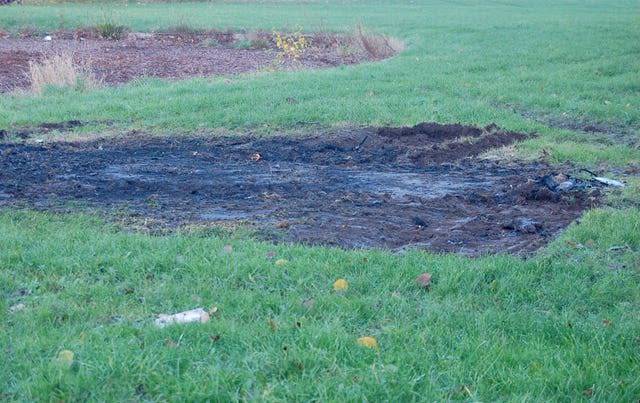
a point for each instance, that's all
(561, 325)
(523, 66)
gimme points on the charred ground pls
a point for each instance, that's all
(421, 186)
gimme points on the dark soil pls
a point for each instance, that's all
(391, 187)
(171, 55)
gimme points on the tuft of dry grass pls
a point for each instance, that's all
(378, 46)
(60, 71)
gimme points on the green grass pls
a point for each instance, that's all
(548, 328)
(520, 65)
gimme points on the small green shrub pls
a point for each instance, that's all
(209, 43)
(241, 44)
(111, 30)
(260, 43)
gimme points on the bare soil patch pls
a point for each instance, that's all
(169, 56)
(394, 188)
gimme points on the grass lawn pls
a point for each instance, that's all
(561, 325)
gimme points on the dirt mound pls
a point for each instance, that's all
(355, 188)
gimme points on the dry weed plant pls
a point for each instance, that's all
(60, 71)
(378, 46)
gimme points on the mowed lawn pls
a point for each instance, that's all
(79, 296)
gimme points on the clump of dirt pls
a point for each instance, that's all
(175, 55)
(394, 188)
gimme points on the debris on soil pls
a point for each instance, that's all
(175, 55)
(523, 225)
(194, 315)
(608, 182)
(394, 188)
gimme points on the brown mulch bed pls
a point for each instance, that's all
(169, 55)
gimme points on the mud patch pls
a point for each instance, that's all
(392, 187)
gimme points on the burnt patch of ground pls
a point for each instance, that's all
(606, 133)
(175, 55)
(391, 187)
(27, 132)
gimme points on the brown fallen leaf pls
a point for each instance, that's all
(607, 323)
(171, 343)
(256, 157)
(270, 255)
(369, 341)
(588, 392)
(215, 337)
(424, 281)
(272, 325)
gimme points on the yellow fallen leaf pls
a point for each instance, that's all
(65, 357)
(368, 341)
(340, 285)
(281, 262)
